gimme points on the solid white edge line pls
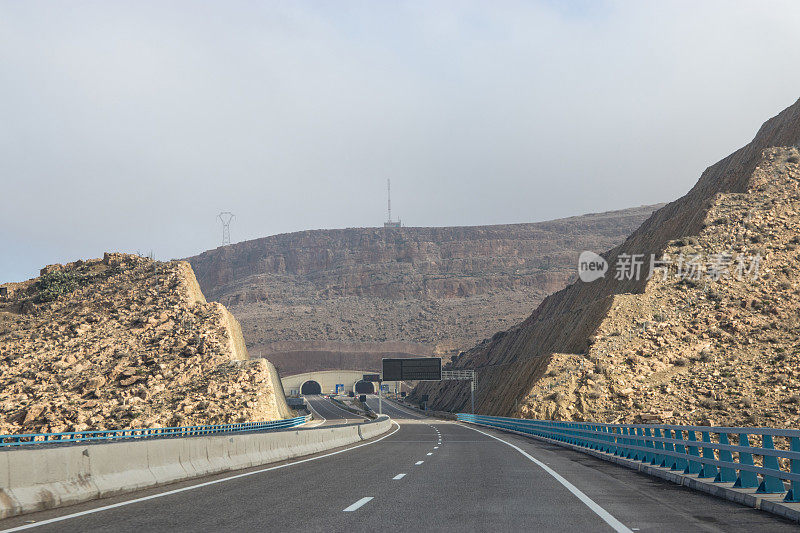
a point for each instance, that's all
(345, 410)
(326, 403)
(418, 463)
(599, 511)
(356, 505)
(399, 476)
(403, 410)
(315, 411)
(191, 487)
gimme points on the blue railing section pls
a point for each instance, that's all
(150, 433)
(721, 454)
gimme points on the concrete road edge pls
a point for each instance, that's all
(36, 479)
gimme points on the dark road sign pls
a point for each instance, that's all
(371, 377)
(413, 369)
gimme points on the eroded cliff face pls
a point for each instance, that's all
(125, 342)
(366, 288)
(558, 335)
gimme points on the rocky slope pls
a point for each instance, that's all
(124, 342)
(627, 349)
(439, 289)
(702, 350)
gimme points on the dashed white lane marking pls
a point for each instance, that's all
(399, 476)
(419, 463)
(356, 505)
(192, 487)
(430, 453)
(602, 513)
(435, 447)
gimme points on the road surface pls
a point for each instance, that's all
(328, 412)
(425, 475)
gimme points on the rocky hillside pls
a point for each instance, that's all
(124, 342)
(439, 290)
(626, 349)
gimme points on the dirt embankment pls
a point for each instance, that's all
(125, 342)
(561, 331)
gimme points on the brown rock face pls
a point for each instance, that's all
(443, 288)
(745, 203)
(124, 342)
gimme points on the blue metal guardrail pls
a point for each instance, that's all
(150, 433)
(714, 455)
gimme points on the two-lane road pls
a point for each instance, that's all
(425, 475)
(328, 412)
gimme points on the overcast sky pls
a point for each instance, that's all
(129, 125)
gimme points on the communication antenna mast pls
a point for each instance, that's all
(225, 217)
(390, 223)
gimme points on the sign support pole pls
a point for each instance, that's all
(380, 396)
(472, 393)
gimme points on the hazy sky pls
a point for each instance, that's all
(129, 125)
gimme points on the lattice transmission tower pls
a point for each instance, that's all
(225, 217)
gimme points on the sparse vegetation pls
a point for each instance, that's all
(53, 285)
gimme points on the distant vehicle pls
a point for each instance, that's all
(351, 394)
(362, 398)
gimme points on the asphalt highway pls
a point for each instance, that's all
(424, 475)
(329, 413)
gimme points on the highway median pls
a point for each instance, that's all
(36, 479)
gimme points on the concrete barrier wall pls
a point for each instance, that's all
(45, 478)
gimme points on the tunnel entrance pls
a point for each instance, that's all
(311, 387)
(365, 387)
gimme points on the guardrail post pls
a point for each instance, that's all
(630, 441)
(610, 447)
(726, 475)
(640, 455)
(648, 443)
(708, 470)
(617, 433)
(669, 461)
(794, 492)
(680, 462)
(613, 447)
(658, 458)
(692, 467)
(770, 484)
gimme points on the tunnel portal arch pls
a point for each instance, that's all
(364, 387)
(311, 387)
